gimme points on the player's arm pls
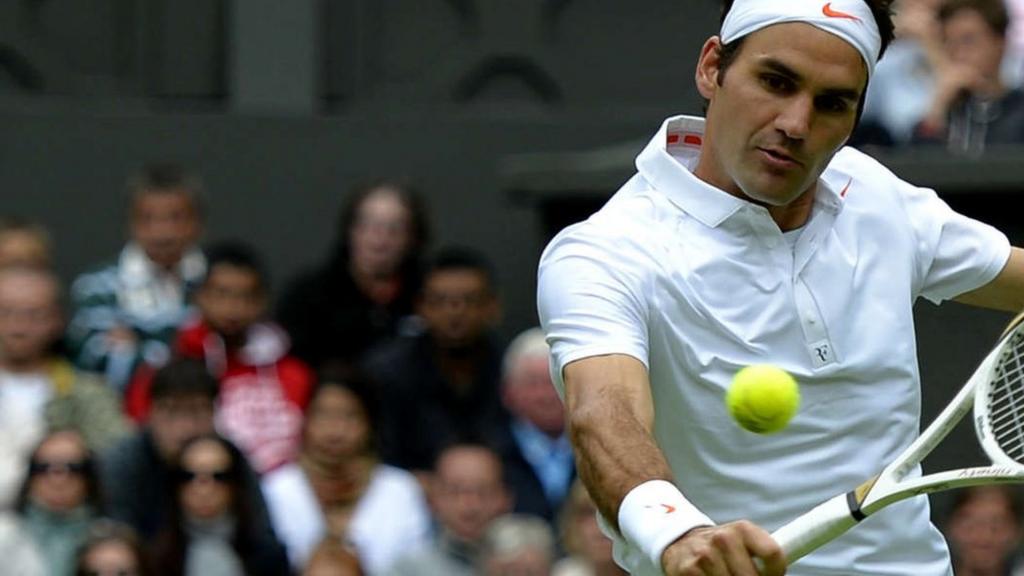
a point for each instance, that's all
(1006, 291)
(611, 418)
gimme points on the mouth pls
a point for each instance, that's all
(778, 158)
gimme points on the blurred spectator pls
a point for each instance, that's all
(339, 489)
(23, 243)
(18, 551)
(112, 549)
(972, 106)
(589, 551)
(441, 386)
(183, 394)
(263, 389)
(332, 558)
(517, 545)
(534, 449)
(360, 296)
(38, 389)
(984, 531)
(467, 493)
(902, 85)
(60, 498)
(209, 531)
(130, 309)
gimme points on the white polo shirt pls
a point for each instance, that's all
(696, 283)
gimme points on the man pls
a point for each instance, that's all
(263, 389)
(467, 494)
(971, 106)
(137, 473)
(984, 531)
(40, 390)
(129, 311)
(441, 386)
(534, 448)
(517, 545)
(750, 237)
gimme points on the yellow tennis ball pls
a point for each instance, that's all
(763, 398)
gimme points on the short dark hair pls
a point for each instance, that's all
(460, 258)
(236, 254)
(346, 377)
(993, 12)
(183, 377)
(880, 9)
(164, 177)
(104, 531)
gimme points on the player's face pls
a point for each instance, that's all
(786, 105)
(165, 224)
(231, 300)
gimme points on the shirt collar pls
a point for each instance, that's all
(668, 161)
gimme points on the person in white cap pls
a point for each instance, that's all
(747, 237)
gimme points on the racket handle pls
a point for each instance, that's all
(814, 528)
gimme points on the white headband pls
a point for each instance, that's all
(850, 20)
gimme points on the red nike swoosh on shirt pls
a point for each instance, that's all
(828, 11)
(669, 509)
(845, 189)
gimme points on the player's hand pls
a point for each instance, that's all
(725, 550)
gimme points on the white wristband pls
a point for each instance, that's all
(654, 515)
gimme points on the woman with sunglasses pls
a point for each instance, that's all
(60, 498)
(209, 527)
(112, 549)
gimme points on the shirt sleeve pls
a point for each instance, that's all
(593, 297)
(956, 254)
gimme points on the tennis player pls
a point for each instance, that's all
(754, 236)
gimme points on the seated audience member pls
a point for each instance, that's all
(517, 545)
(339, 489)
(466, 494)
(902, 84)
(534, 448)
(589, 551)
(18, 551)
(972, 107)
(984, 531)
(131, 309)
(38, 388)
(23, 243)
(183, 395)
(112, 549)
(209, 531)
(263, 389)
(60, 499)
(441, 385)
(332, 558)
(361, 295)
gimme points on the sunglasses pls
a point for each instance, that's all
(40, 467)
(218, 476)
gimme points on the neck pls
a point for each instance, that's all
(33, 365)
(795, 214)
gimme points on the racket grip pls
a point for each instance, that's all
(814, 528)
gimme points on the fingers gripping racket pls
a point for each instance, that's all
(996, 391)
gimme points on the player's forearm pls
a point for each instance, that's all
(614, 453)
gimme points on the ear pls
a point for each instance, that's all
(706, 75)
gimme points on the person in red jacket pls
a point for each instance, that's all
(263, 389)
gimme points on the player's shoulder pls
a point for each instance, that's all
(851, 163)
(628, 226)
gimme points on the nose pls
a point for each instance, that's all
(794, 120)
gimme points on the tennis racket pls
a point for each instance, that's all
(996, 392)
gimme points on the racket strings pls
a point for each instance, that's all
(1006, 399)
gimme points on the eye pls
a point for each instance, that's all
(776, 83)
(832, 104)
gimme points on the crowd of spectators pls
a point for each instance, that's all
(167, 414)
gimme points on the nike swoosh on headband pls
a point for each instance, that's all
(828, 11)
